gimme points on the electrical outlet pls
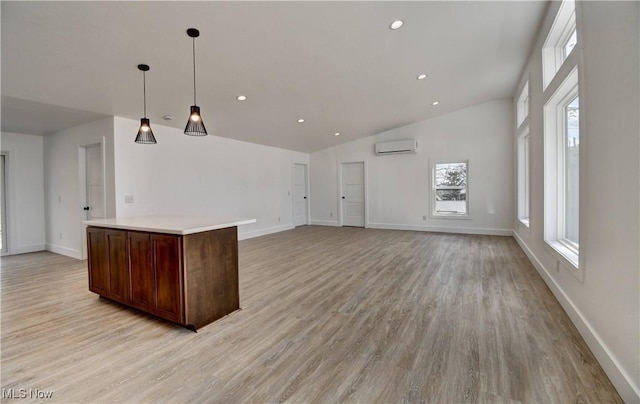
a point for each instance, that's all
(60, 236)
(278, 218)
(424, 217)
(331, 214)
(59, 199)
(128, 199)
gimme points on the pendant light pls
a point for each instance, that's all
(195, 126)
(145, 134)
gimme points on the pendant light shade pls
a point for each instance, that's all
(195, 126)
(145, 134)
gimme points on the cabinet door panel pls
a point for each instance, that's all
(97, 260)
(118, 267)
(142, 292)
(167, 261)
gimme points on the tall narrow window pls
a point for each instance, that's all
(450, 196)
(571, 173)
(562, 170)
(523, 177)
(561, 116)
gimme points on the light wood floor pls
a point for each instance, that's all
(329, 315)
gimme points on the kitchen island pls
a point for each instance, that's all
(181, 268)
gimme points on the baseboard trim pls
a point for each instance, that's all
(69, 252)
(324, 223)
(622, 381)
(263, 232)
(441, 229)
(25, 249)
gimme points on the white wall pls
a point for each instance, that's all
(25, 192)
(211, 175)
(62, 183)
(398, 186)
(605, 305)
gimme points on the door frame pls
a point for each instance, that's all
(82, 186)
(307, 205)
(366, 197)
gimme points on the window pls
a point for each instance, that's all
(562, 169)
(522, 107)
(570, 44)
(561, 40)
(522, 155)
(571, 173)
(523, 177)
(561, 116)
(450, 196)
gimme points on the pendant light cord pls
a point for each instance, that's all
(194, 71)
(144, 92)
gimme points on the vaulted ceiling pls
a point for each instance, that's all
(337, 65)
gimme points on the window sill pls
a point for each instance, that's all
(450, 216)
(523, 226)
(566, 257)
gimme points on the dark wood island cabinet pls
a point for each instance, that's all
(182, 269)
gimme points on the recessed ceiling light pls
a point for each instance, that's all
(336, 134)
(167, 117)
(241, 97)
(435, 103)
(396, 24)
(300, 120)
(422, 77)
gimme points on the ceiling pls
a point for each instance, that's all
(335, 64)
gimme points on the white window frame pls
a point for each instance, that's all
(522, 106)
(553, 55)
(524, 175)
(448, 215)
(554, 171)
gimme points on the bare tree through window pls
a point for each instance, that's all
(450, 188)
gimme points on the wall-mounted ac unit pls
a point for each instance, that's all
(396, 147)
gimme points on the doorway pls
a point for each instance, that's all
(92, 181)
(300, 195)
(352, 194)
(94, 187)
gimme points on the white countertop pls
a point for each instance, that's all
(170, 224)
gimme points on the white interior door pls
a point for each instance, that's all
(353, 194)
(94, 183)
(300, 199)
